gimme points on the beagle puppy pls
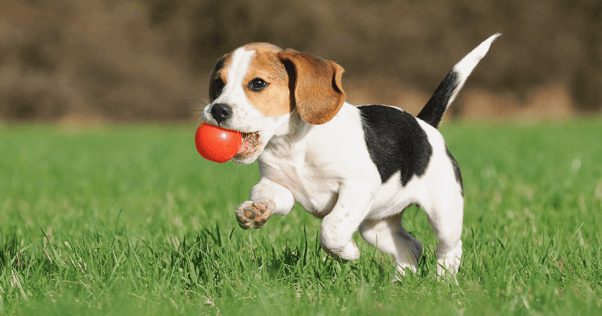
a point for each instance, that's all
(354, 167)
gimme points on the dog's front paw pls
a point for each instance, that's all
(253, 214)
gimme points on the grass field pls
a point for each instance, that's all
(130, 220)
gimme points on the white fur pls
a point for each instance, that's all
(328, 170)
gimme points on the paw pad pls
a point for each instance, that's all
(254, 214)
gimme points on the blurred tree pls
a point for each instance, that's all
(149, 59)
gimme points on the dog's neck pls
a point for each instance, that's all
(298, 128)
(290, 136)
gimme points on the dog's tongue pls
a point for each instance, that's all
(244, 147)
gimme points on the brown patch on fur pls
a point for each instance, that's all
(274, 100)
(261, 48)
(318, 91)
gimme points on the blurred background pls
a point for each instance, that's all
(113, 60)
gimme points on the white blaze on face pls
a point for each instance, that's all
(238, 67)
(241, 59)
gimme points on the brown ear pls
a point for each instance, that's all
(315, 86)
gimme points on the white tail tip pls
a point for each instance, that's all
(468, 63)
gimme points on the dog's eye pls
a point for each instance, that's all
(257, 85)
(216, 88)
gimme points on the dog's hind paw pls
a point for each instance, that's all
(253, 214)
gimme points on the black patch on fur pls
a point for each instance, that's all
(456, 170)
(217, 84)
(437, 105)
(396, 142)
(220, 63)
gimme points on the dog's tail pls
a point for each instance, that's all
(448, 89)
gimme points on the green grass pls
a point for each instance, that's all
(130, 220)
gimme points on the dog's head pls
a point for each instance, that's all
(255, 89)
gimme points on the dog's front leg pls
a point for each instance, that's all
(267, 198)
(338, 227)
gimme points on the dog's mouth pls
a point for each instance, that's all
(250, 145)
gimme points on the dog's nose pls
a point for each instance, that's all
(221, 112)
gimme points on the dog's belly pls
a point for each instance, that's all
(392, 197)
(318, 205)
(318, 192)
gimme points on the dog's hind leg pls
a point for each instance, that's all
(389, 236)
(445, 217)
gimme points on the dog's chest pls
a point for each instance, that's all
(315, 187)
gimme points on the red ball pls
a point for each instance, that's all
(217, 144)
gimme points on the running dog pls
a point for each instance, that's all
(354, 167)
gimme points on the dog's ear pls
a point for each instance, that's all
(315, 86)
